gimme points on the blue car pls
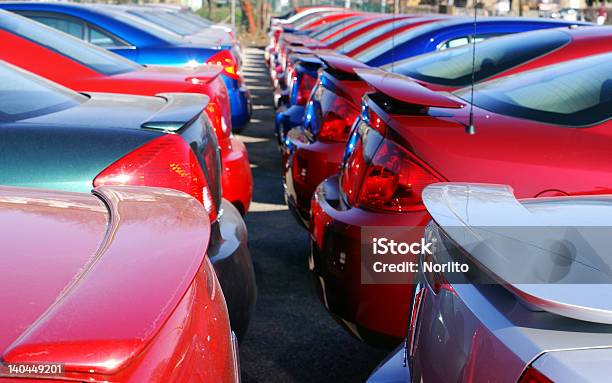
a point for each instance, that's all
(448, 34)
(141, 41)
(412, 42)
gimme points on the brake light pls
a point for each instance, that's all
(376, 122)
(215, 114)
(531, 375)
(394, 181)
(166, 162)
(304, 87)
(338, 121)
(228, 62)
(353, 173)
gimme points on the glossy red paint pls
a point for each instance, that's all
(329, 18)
(410, 92)
(148, 81)
(377, 39)
(353, 24)
(322, 159)
(99, 256)
(355, 34)
(536, 163)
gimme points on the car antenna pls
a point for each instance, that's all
(393, 40)
(471, 129)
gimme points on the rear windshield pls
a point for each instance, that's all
(386, 45)
(310, 19)
(193, 18)
(330, 28)
(352, 29)
(374, 32)
(144, 25)
(575, 93)
(24, 95)
(166, 20)
(453, 67)
(91, 56)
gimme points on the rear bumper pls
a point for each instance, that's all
(237, 180)
(306, 166)
(231, 259)
(375, 313)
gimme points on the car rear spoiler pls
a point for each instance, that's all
(128, 290)
(520, 251)
(340, 62)
(180, 110)
(404, 89)
(308, 60)
(205, 73)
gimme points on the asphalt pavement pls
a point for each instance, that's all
(291, 337)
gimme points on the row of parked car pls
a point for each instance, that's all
(438, 122)
(147, 278)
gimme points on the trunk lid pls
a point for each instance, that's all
(80, 311)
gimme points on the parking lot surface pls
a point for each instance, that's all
(291, 337)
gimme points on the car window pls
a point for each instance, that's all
(453, 67)
(75, 28)
(453, 43)
(102, 39)
(97, 59)
(574, 93)
(24, 95)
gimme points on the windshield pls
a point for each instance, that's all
(574, 93)
(453, 67)
(375, 32)
(166, 20)
(91, 56)
(24, 95)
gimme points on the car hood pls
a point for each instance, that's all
(69, 295)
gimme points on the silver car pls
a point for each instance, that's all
(536, 305)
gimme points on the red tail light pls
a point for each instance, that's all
(353, 172)
(376, 122)
(228, 62)
(338, 121)
(531, 375)
(166, 162)
(305, 86)
(219, 123)
(394, 181)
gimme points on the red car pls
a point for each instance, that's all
(545, 132)
(82, 66)
(315, 156)
(68, 292)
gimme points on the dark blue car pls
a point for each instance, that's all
(412, 42)
(140, 41)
